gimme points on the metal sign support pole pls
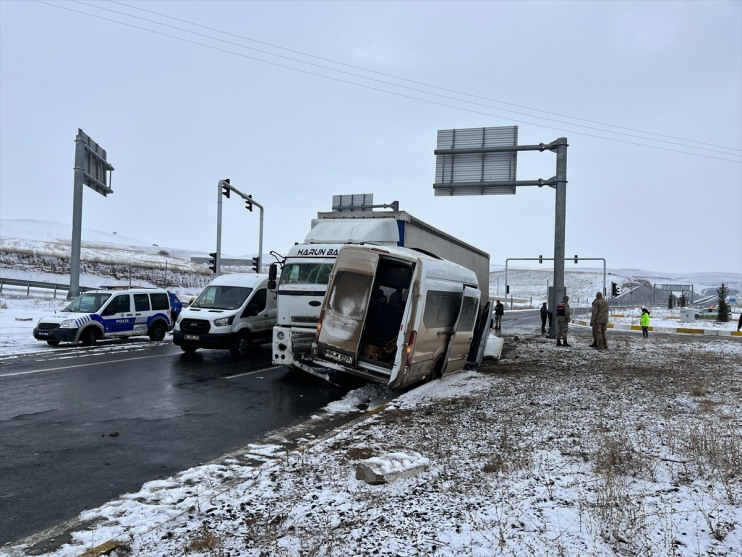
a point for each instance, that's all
(76, 242)
(559, 227)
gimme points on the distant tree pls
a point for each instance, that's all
(723, 293)
(670, 301)
(683, 300)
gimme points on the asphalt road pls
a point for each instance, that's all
(81, 426)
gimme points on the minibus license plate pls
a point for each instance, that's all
(343, 358)
(190, 337)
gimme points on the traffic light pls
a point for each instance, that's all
(248, 203)
(256, 264)
(225, 188)
(614, 289)
(212, 261)
(575, 258)
(540, 259)
(507, 289)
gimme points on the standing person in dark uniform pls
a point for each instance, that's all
(563, 318)
(544, 315)
(600, 321)
(499, 312)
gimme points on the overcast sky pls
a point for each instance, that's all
(297, 101)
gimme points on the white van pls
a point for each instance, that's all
(396, 315)
(233, 312)
(109, 313)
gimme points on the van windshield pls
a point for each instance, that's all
(306, 273)
(222, 297)
(88, 302)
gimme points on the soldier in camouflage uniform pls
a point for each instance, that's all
(599, 321)
(563, 318)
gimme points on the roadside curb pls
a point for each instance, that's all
(681, 330)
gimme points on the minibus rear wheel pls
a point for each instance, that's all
(437, 371)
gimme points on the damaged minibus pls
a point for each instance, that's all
(397, 316)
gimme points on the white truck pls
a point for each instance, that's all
(307, 267)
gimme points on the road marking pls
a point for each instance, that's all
(252, 372)
(30, 372)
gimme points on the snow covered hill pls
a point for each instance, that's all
(38, 250)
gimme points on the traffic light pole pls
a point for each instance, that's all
(552, 301)
(218, 255)
(225, 188)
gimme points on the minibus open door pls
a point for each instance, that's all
(346, 304)
(468, 292)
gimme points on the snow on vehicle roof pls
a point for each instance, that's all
(250, 280)
(383, 231)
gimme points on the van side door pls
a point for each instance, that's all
(117, 316)
(463, 331)
(142, 309)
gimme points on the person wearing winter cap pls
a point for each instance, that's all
(563, 316)
(599, 322)
(644, 322)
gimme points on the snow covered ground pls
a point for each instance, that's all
(629, 452)
(635, 451)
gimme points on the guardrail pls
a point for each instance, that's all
(29, 284)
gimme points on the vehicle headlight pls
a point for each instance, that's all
(280, 335)
(224, 321)
(67, 324)
(179, 319)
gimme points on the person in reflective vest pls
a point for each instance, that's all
(644, 322)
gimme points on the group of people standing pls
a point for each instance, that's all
(598, 321)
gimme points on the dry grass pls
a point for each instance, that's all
(596, 433)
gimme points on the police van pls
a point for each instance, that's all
(109, 313)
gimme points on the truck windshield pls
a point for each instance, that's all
(306, 273)
(88, 303)
(222, 297)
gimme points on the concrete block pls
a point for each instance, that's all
(389, 467)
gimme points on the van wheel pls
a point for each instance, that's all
(157, 331)
(52, 342)
(437, 371)
(188, 348)
(89, 336)
(242, 345)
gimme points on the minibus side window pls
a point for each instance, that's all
(441, 309)
(468, 314)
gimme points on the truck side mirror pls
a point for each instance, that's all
(272, 273)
